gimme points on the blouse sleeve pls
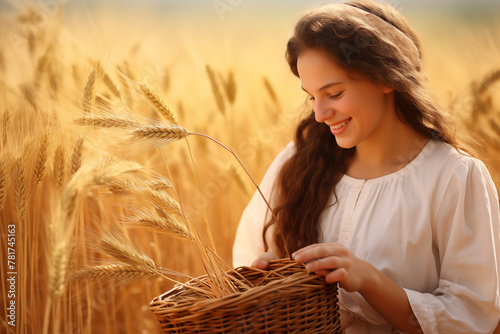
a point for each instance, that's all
(248, 243)
(466, 242)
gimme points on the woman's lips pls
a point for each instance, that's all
(339, 127)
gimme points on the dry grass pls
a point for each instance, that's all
(93, 209)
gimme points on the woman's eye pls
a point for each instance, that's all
(310, 98)
(336, 96)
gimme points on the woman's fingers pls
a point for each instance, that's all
(318, 251)
(337, 275)
(327, 263)
(262, 261)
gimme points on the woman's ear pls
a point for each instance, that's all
(387, 90)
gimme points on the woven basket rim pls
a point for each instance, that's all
(282, 284)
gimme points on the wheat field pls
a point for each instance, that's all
(108, 195)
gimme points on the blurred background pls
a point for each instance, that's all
(219, 65)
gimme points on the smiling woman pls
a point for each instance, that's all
(375, 192)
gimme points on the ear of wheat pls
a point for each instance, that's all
(90, 90)
(118, 247)
(219, 99)
(3, 181)
(41, 158)
(76, 155)
(113, 271)
(162, 134)
(158, 103)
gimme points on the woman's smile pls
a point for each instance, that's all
(339, 127)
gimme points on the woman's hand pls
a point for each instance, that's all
(262, 261)
(337, 264)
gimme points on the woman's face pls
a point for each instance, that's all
(355, 109)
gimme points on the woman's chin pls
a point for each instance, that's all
(346, 144)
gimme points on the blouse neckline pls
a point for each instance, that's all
(401, 172)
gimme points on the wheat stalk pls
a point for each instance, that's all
(128, 187)
(164, 133)
(163, 200)
(104, 122)
(81, 179)
(270, 91)
(230, 87)
(29, 95)
(110, 172)
(159, 185)
(90, 91)
(215, 90)
(102, 102)
(122, 187)
(59, 166)
(53, 80)
(57, 268)
(487, 82)
(76, 156)
(3, 182)
(119, 248)
(166, 225)
(41, 157)
(21, 191)
(6, 124)
(6, 326)
(41, 66)
(111, 85)
(108, 271)
(72, 251)
(158, 103)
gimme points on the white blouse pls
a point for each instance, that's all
(432, 227)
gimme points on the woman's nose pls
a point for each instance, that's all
(322, 111)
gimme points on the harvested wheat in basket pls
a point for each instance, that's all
(286, 298)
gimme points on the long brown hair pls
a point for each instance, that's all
(306, 181)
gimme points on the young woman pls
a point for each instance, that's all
(375, 192)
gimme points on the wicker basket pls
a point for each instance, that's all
(284, 299)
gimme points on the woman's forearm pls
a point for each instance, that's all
(391, 301)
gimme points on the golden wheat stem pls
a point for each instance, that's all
(205, 219)
(230, 150)
(48, 306)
